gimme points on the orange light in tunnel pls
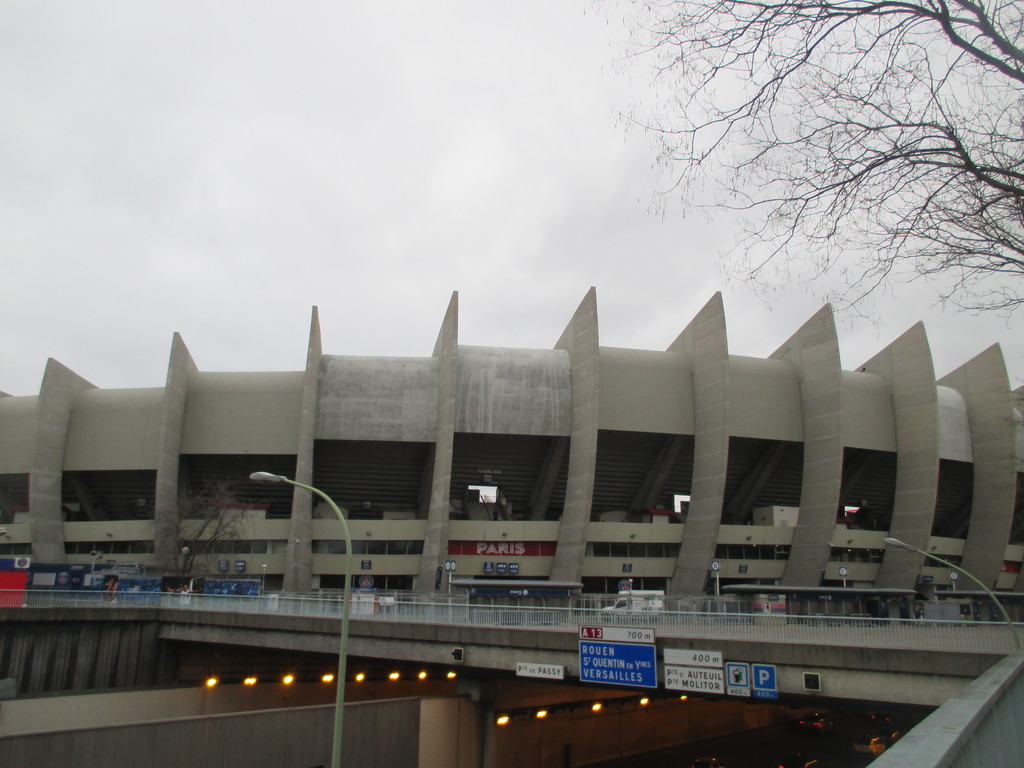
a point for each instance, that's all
(541, 714)
(394, 676)
(596, 706)
(251, 680)
(360, 676)
(422, 675)
(288, 679)
(502, 720)
(327, 678)
(211, 682)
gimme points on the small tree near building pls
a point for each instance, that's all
(206, 521)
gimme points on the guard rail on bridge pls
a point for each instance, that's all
(910, 634)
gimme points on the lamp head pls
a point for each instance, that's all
(267, 477)
(898, 544)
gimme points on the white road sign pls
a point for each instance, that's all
(534, 669)
(699, 679)
(618, 634)
(688, 658)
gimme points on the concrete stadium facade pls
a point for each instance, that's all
(581, 463)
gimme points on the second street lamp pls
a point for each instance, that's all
(1002, 610)
(339, 707)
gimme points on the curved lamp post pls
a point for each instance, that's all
(339, 707)
(1002, 610)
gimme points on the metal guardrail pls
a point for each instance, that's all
(911, 634)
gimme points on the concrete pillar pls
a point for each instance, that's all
(705, 342)
(654, 482)
(580, 340)
(435, 543)
(46, 521)
(180, 367)
(906, 365)
(814, 352)
(298, 567)
(985, 387)
(540, 496)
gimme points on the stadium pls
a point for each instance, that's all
(688, 470)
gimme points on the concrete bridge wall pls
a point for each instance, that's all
(81, 649)
(413, 733)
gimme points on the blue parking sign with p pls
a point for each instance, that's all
(765, 685)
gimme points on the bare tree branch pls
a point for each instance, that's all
(204, 522)
(889, 133)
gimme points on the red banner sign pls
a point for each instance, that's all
(502, 548)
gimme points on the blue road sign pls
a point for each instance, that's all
(763, 678)
(618, 664)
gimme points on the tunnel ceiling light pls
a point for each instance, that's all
(288, 679)
(360, 676)
(596, 706)
(502, 720)
(327, 677)
(452, 675)
(251, 680)
(644, 701)
(422, 675)
(541, 714)
(394, 676)
(211, 682)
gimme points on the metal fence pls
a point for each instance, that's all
(726, 623)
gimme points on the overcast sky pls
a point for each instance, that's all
(218, 169)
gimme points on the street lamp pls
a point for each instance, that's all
(339, 707)
(95, 555)
(1006, 617)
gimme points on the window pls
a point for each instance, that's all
(487, 493)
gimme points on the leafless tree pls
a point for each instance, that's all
(204, 522)
(883, 138)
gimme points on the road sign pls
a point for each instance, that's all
(700, 679)
(534, 669)
(737, 678)
(687, 658)
(765, 685)
(716, 566)
(618, 634)
(630, 664)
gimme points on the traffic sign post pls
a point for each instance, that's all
(694, 670)
(618, 656)
(449, 567)
(699, 679)
(737, 678)
(765, 684)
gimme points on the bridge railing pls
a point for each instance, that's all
(923, 634)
